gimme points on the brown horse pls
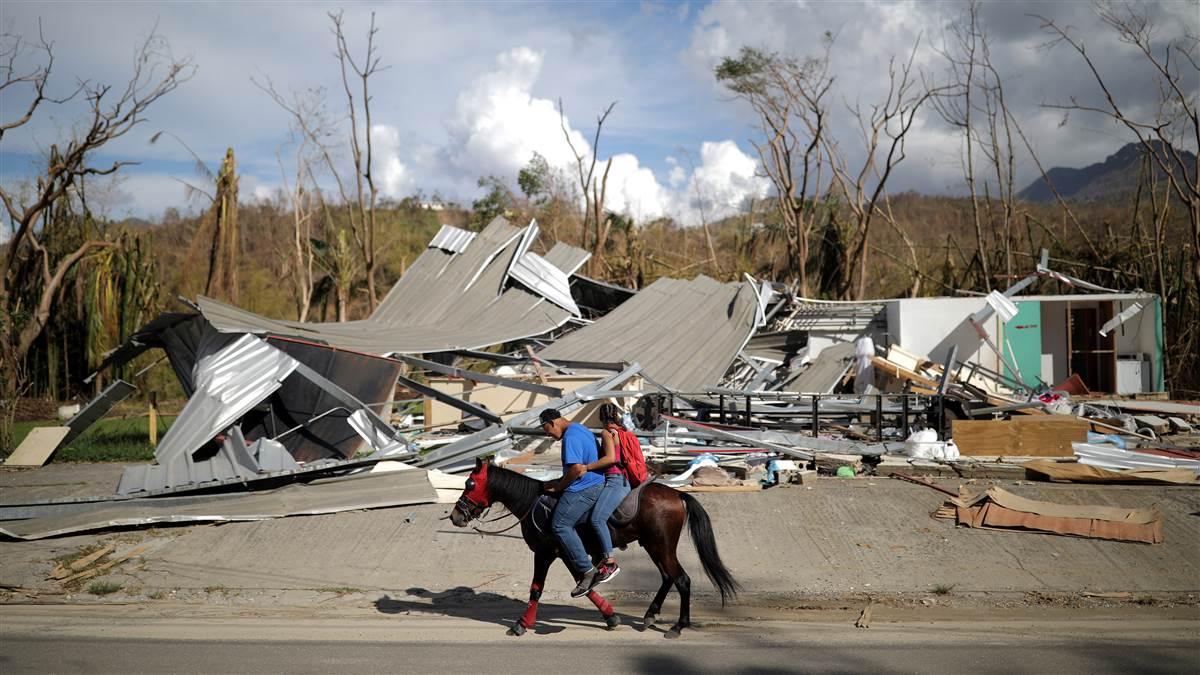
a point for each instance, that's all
(657, 526)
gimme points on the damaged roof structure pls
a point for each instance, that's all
(463, 292)
(685, 334)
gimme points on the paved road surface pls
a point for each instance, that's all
(127, 656)
(31, 642)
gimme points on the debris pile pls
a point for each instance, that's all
(736, 386)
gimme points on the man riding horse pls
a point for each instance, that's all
(655, 520)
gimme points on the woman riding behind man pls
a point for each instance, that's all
(616, 486)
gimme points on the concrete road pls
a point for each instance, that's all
(927, 654)
(220, 640)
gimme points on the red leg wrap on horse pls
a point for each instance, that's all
(530, 615)
(600, 603)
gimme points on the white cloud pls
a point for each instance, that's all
(725, 179)
(498, 123)
(394, 177)
(634, 191)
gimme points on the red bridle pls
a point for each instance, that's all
(475, 498)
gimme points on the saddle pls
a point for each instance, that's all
(621, 516)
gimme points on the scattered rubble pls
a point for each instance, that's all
(737, 386)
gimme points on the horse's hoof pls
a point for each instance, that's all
(648, 622)
(611, 622)
(673, 633)
(517, 630)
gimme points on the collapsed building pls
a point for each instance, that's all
(744, 377)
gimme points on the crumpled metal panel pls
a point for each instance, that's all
(452, 239)
(354, 493)
(228, 383)
(97, 408)
(538, 275)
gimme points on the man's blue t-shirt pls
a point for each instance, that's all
(579, 447)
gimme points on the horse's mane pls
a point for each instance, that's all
(509, 486)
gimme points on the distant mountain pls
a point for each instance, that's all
(1114, 178)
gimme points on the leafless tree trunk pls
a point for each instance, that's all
(594, 189)
(361, 151)
(223, 254)
(311, 133)
(32, 271)
(883, 131)
(702, 206)
(957, 108)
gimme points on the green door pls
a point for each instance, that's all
(1023, 342)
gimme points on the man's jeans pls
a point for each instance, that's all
(572, 509)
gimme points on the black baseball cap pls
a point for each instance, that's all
(549, 415)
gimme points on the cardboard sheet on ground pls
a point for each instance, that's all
(1001, 510)
(1084, 473)
(370, 491)
(38, 446)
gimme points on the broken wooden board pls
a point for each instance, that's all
(1085, 473)
(752, 487)
(86, 574)
(1023, 436)
(38, 446)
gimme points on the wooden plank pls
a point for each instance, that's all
(722, 488)
(97, 570)
(1025, 436)
(38, 446)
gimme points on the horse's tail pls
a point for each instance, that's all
(706, 546)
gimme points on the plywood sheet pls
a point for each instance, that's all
(1024, 436)
(37, 447)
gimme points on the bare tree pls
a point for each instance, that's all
(1173, 125)
(788, 96)
(311, 133)
(703, 202)
(366, 192)
(883, 130)
(595, 189)
(958, 107)
(34, 271)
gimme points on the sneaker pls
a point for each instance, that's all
(586, 582)
(607, 572)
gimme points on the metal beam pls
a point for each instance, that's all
(470, 409)
(453, 371)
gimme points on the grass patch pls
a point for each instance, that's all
(340, 590)
(103, 587)
(110, 440)
(942, 589)
(157, 595)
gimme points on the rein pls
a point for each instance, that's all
(510, 513)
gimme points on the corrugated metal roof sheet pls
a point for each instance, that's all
(452, 239)
(444, 301)
(684, 333)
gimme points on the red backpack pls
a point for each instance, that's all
(631, 458)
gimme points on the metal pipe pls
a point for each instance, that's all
(816, 410)
(879, 417)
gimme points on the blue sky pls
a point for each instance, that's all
(469, 87)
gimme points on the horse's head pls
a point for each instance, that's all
(475, 498)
